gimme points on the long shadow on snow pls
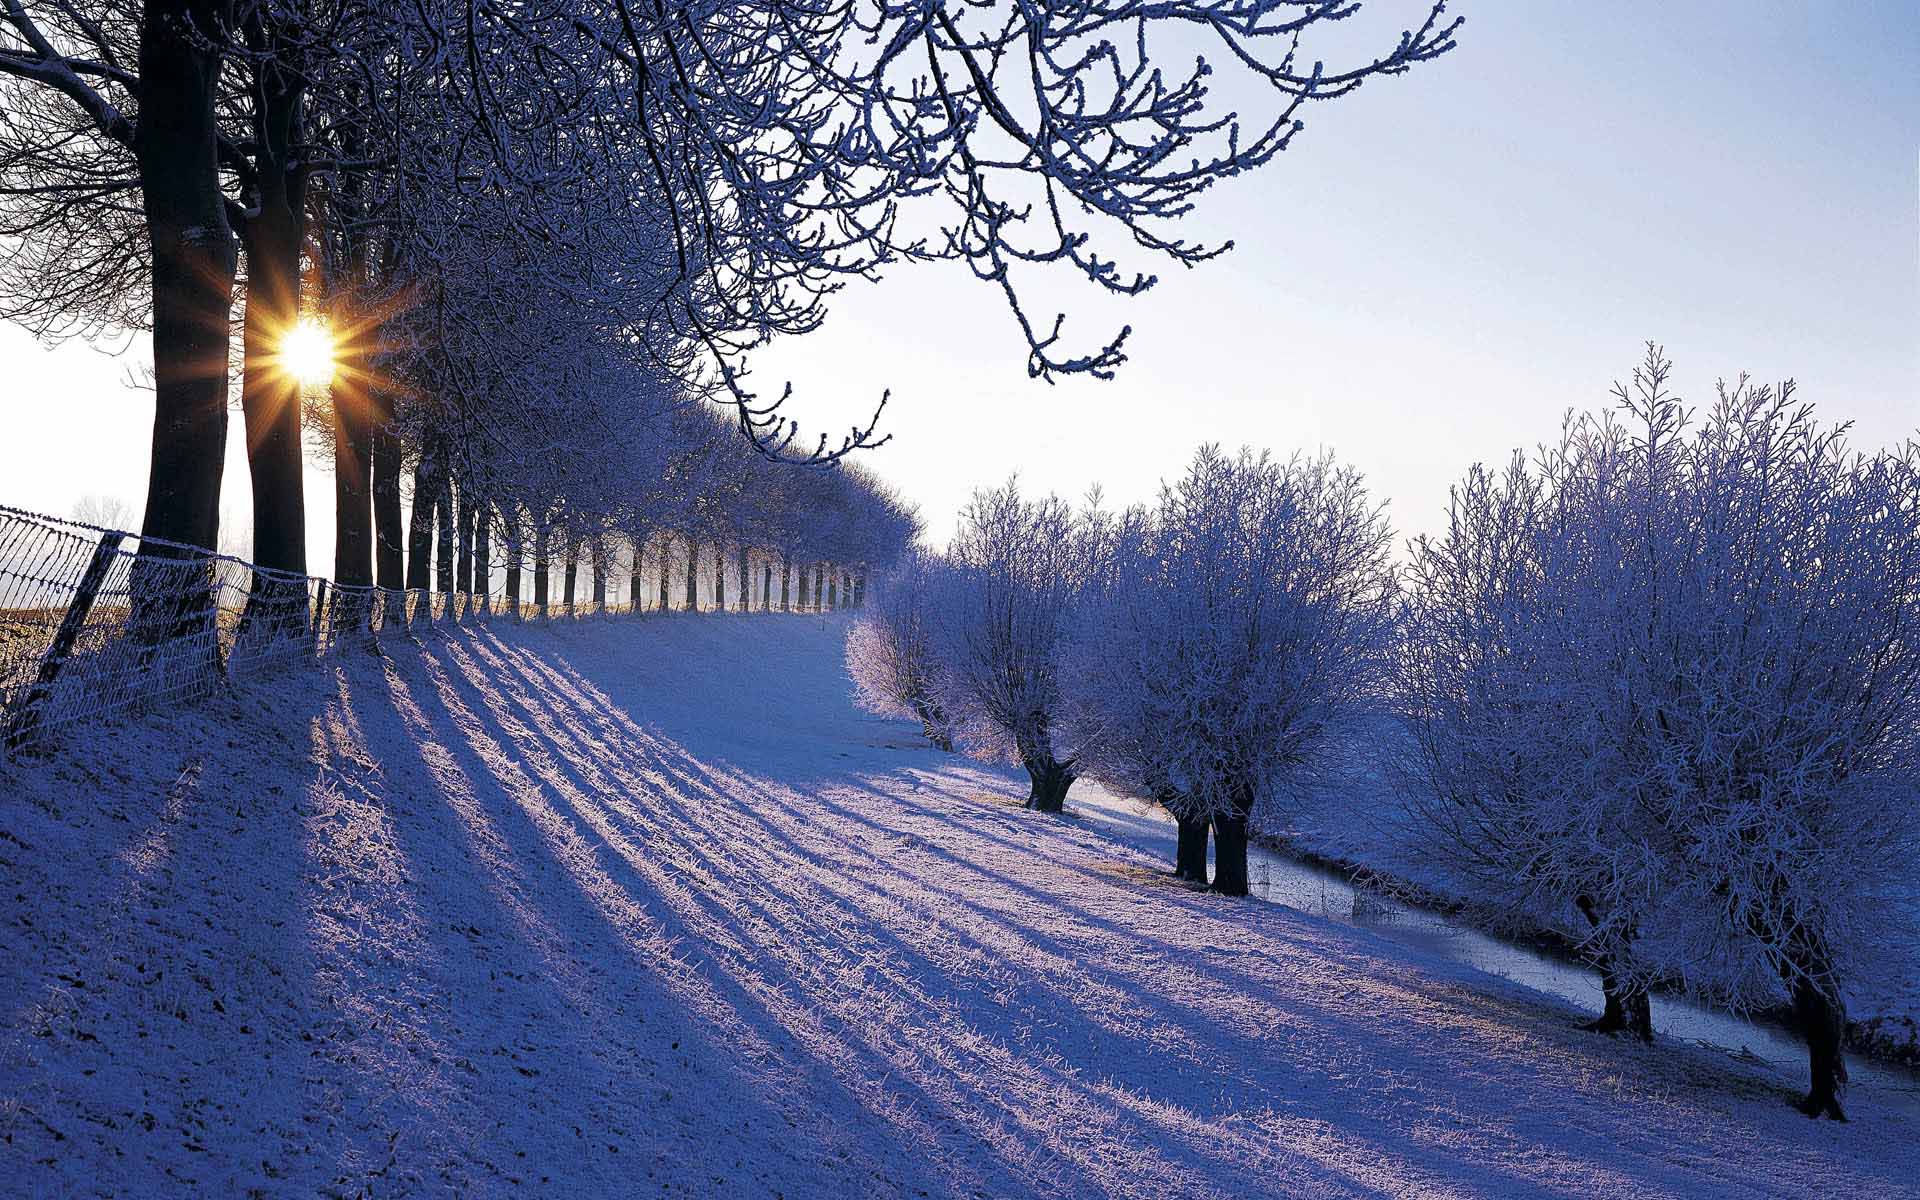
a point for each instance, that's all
(742, 992)
(787, 918)
(1455, 995)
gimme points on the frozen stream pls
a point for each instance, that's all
(1309, 888)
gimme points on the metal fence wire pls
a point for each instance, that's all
(97, 622)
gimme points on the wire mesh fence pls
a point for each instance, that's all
(98, 622)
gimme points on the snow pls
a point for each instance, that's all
(647, 907)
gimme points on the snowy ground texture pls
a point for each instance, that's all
(647, 908)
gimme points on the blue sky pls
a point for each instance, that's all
(1438, 269)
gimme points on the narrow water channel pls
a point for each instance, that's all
(1309, 888)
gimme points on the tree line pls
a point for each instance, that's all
(539, 228)
(1656, 685)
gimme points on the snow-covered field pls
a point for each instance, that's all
(648, 908)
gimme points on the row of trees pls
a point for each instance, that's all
(1659, 683)
(715, 525)
(540, 229)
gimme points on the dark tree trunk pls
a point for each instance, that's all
(515, 555)
(719, 578)
(693, 575)
(274, 234)
(1230, 854)
(443, 539)
(463, 565)
(1190, 855)
(352, 504)
(482, 555)
(540, 536)
(193, 256)
(833, 586)
(1627, 1007)
(420, 525)
(746, 583)
(666, 564)
(601, 561)
(1820, 1016)
(1230, 841)
(389, 534)
(786, 584)
(1051, 780)
(570, 582)
(766, 588)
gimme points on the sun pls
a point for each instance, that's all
(306, 353)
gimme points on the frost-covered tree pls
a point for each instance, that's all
(1242, 626)
(1690, 720)
(1002, 609)
(890, 652)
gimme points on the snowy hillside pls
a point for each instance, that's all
(647, 907)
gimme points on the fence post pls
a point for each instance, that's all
(20, 726)
(319, 611)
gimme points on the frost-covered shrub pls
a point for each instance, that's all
(890, 648)
(1003, 604)
(1242, 622)
(1666, 676)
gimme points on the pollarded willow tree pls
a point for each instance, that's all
(1002, 607)
(1242, 627)
(1674, 688)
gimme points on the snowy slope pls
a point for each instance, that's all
(645, 907)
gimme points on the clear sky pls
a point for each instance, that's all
(1438, 269)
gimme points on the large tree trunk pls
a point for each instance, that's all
(193, 255)
(443, 538)
(693, 575)
(602, 561)
(1051, 780)
(786, 584)
(482, 555)
(1820, 1016)
(540, 541)
(719, 578)
(420, 524)
(269, 394)
(1190, 854)
(352, 507)
(1230, 854)
(389, 530)
(666, 569)
(463, 562)
(1627, 1007)
(571, 581)
(1230, 841)
(511, 516)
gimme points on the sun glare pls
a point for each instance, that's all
(306, 353)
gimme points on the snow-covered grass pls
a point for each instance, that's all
(643, 907)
